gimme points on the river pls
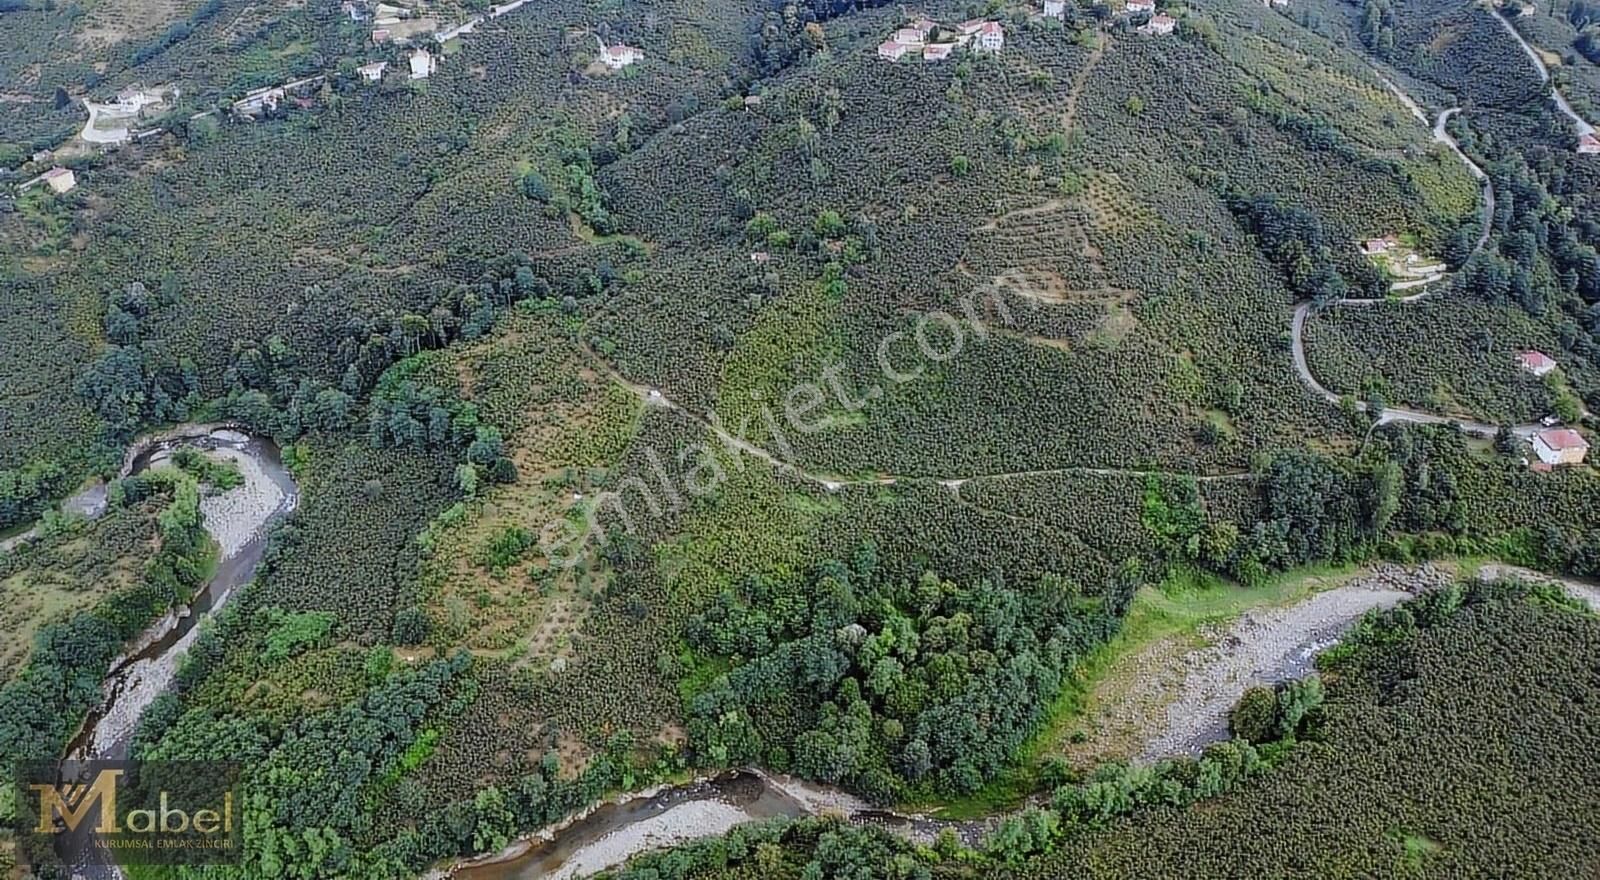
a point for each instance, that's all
(239, 520)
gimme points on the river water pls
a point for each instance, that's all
(239, 520)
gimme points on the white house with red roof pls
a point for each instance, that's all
(924, 26)
(892, 50)
(1558, 446)
(1159, 26)
(937, 51)
(910, 36)
(620, 56)
(1536, 362)
(1588, 144)
(991, 37)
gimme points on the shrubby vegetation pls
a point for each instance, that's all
(886, 687)
(46, 701)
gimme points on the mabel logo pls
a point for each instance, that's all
(97, 812)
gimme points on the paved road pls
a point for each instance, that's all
(1303, 312)
(1578, 122)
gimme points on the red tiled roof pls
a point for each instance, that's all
(1563, 438)
(1535, 360)
(992, 27)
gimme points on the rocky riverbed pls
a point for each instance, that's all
(1268, 646)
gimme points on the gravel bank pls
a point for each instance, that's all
(1269, 646)
(238, 515)
(681, 824)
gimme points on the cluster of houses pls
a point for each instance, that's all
(1554, 445)
(935, 42)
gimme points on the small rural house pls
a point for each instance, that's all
(380, 36)
(422, 64)
(924, 26)
(892, 50)
(1159, 26)
(1588, 144)
(1374, 246)
(991, 37)
(374, 71)
(937, 51)
(1055, 8)
(1536, 362)
(620, 56)
(259, 101)
(1558, 446)
(909, 36)
(969, 28)
(60, 179)
(1141, 5)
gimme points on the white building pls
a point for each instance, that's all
(1055, 8)
(910, 36)
(1159, 26)
(893, 51)
(991, 37)
(620, 56)
(1141, 5)
(937, 51)
(422, 64)
(1556, 446)
(60, 179)
(374, 71)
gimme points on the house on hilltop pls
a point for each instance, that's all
(1559, 446)
(374, 71)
